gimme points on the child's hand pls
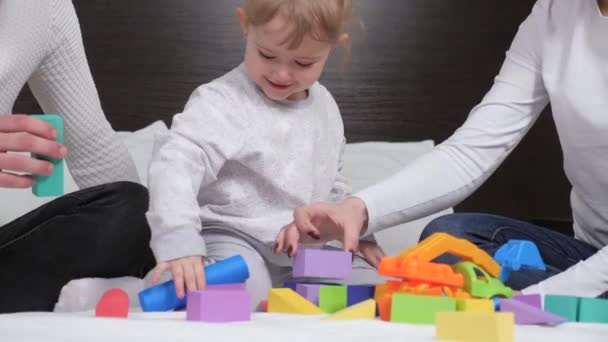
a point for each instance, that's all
(371, 252)
(187, 270)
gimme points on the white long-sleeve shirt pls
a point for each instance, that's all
(41, 45)
(236, 160)
(559, 55)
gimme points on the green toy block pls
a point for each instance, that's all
(332, 298)
(51, 185)
(419, 309)
(565, 306)
(593, 310)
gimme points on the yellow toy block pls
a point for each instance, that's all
(363, 310)
(475, 326)
(475, 305)
(440, 243)
(288, 301)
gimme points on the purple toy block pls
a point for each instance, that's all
(218, 306)
(358, 293)
(309, 291)
(534, 300)
(322, 263)
(235, 286)
(528, 314)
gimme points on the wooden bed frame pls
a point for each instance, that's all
(416, 70)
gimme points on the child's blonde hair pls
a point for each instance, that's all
(323, 20)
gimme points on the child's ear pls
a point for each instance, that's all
(240, 12)
(343, 40)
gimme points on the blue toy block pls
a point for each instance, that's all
(51, 185)
(162, 297)
(290, 285)
(518, 254)
(359, 293)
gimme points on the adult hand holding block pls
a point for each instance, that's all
(24, 133)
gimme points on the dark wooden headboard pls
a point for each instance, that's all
(415, 72)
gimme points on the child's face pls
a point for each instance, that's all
(280, 72)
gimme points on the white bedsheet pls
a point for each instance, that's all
(264, 327)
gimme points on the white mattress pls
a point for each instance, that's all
(264, 327)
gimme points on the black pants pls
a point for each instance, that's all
(96, 232)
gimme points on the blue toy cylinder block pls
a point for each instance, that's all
(162, 297)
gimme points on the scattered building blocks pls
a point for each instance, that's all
(163, 297)
(419, 309)
(309, 291)
(363, 310)
(482, 285)
(593, 310)
(288, 301)
(359, 293)
(441, 243)
(533, 299)
(51, 185)
(332, 298)
(475, 326)
(420, 271)
(564, 306)
(113, 303)
(322, 263)
(528, 314)
(475, 305)
(518, 254)
(218, 306)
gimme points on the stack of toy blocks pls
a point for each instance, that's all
(317, 297)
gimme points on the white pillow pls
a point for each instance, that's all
(17, 202)
(368, 163)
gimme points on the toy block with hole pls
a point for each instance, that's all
(363, 310)
(359, 293)
(332, 298)
(474, 305)
(288, 301)
(420, 271)
(419, 309)
(309, 291)
(51, 185)
(528, 314)
(533, 299)
(475, 326)
(518, 254)
(593, 310)
(564, 306)
(322, 263)
(218, 306)
(113, 303)
(441, 243)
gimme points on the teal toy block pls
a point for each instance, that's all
(51, 185)
(593, 310)
(332, 298)
(565, 306)
(407, 308)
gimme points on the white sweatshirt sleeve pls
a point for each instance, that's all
(457, 167)
(341, 188)
(63, 84)
(202, 138)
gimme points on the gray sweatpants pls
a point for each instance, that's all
(268, 270)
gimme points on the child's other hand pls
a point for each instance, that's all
(186, 271)
(371, 252)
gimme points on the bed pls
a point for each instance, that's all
(417, 68)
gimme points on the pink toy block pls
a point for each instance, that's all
(322, 263)
(218, 306)
(235, 286)
(534, 300)
(528, 314)
(113, 303)
(309, 291)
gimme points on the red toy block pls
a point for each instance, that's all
(113, 303)
(264, 305)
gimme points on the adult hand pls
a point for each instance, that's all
(371, 252)
(320, 222)
(186, 271)
(23, 133)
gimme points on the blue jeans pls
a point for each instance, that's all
(490, 232)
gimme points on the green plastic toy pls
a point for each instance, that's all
(479, 283)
